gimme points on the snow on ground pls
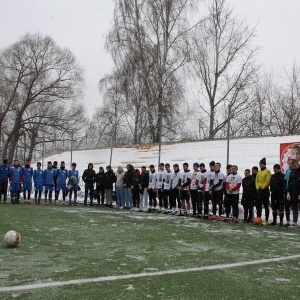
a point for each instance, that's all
(245, 153)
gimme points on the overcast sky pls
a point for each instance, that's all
(81, 25)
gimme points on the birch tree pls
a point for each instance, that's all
(223, 61)
(152, 36)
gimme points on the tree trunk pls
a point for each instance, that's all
(211, 122)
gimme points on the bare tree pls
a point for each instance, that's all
(152, 36)
(98, 129)
(136, 113)
(38, 74)
(224, 65)
(284, 104)
(114, 107)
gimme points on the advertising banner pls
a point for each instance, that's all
(289, 150)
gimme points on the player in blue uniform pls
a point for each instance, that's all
(15, 180)
(4, 171)
(61, 183)
(27, 181)
(38, 180)
(72, 186)
(48, 180)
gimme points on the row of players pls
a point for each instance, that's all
(175, 190)
(52, 179)
(194, 190)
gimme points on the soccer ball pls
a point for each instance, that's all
(257, 221)
(12, 238)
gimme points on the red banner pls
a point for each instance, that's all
(289, 150)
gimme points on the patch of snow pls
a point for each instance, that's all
(282, 279)
(139, 258)
(266, 269)
(130, 287)
(62, 270)
(55, 229)
(68, 243)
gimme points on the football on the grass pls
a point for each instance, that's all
(257, 221)
(12, 238)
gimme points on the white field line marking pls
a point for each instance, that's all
(130, 276)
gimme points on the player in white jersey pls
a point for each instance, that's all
(167, 181)
(175, 192)
(228, 172)
(184, 191)
(207, 195)
(159, 185)
(194, 186)
(216, 190)
(201, 189)
(233, 184)
(152, 189)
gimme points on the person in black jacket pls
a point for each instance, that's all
(287, 203)
(109, 180)
(277, 188)
(293, 189)
(144, 183)
(128, 184)
(89, 178)
(100, 186)
(136, 189)
(248, 197)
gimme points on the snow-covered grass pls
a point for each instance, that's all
(62, 243)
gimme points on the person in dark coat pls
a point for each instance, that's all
(293, 190)
(287, 203)
(89, 178)
(248, 197)
(144, 183)
(136, 188)
(100, 186)
(109, 180)
(277, 188)
(128, 184)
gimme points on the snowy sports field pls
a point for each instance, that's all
(101, 253)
